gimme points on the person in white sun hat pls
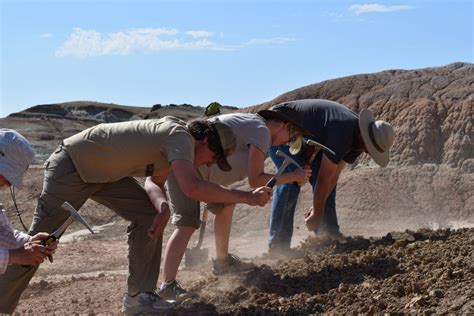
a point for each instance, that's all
(348, 135)
(17, 247)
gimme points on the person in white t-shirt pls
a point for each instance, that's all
(255, 134)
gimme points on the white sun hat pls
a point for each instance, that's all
(378, 137)
(15, 156)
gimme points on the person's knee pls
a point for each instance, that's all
(182, 229)
(225, 211)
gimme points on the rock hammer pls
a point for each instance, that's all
(287, 160)
(317, 147)
(74, 216)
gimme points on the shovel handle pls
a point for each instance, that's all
(202, 229)
(204, 215)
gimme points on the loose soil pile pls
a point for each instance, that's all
(411, 272)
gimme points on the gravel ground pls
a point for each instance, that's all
(426, 272)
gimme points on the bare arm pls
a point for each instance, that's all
(201, 190)
(327, 179)
(257, 176)
(155, 189)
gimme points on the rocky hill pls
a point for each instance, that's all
(428, 184)
(431, 108)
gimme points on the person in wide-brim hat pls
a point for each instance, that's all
(348, 135)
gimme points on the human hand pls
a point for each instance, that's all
(29, 254)
(39, 237)
(301, 176)
(260, 196)
(161, 220)
(310, 219)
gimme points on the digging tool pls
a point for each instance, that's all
(197, 256)
(317, 147)
(75, 216)
(287, 160)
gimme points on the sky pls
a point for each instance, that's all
(238, 53)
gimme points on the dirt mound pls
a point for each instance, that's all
(431, 108)
(409, 272)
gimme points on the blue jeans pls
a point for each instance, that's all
(285, 197)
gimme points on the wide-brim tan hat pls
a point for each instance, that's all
(378, 137)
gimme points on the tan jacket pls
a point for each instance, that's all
(109, 152)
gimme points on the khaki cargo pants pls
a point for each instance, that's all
(126, 197)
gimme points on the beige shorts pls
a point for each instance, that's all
(186, 211)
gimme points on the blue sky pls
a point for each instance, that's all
(239, 53)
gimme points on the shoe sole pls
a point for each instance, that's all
(145, 310)
(174, 300)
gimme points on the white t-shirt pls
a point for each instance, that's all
(249, 129)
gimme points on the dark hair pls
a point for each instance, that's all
(201, 129)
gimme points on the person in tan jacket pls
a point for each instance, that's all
(101, 162)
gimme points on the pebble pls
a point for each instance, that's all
(382, 305)
(343, 287)
(416, 301)
(436, 293)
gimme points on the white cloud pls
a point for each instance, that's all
(269, 41)
(87, 43)
(46, 35)
(199, 33)
(378, 8)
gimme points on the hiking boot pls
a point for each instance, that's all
(230, 264)
(173, 291)
(145, 302)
